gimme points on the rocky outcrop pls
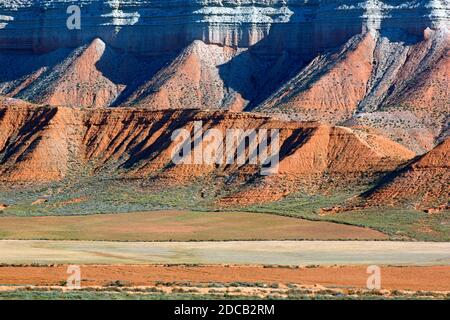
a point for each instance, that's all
(36, 143)
(42, 144)
(330, 159)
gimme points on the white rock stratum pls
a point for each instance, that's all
(157, 26)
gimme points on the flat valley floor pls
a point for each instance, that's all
(286, 253)
(189, 255)
(173, 225)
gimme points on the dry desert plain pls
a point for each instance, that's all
(180, 254)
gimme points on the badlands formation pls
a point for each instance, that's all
(359, 90)
(50, 143)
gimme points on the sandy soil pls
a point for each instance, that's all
(434, 278)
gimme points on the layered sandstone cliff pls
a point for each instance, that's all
(375, 64)
(161, 25)
(373, 74)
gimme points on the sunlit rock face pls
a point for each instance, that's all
(158, 26)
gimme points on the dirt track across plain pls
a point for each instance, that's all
(230, 252)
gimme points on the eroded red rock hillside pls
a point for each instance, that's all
(357, 88)
(41, 144)
(378, 64)
(423, 184)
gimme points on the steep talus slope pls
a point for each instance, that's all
(125, 143)
(203, 76)
(422, 84)
(400, 88)
(403, 94)
(402, 68)
(192, 80)
(93, 75)
(76, 81)
(423, 184)
(209, 76)
(408, 96)
(330, 87)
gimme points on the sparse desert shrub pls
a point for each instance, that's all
(118, 283)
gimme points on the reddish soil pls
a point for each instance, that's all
(434, 278)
